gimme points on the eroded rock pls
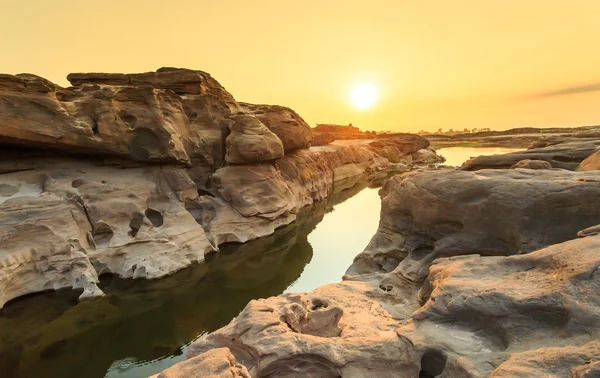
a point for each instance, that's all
(289, 127)
(528, 315)
(591, 163)
(428, 215)
(563, 155)
(532, 164)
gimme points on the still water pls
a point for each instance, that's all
(142, 327)
(455, 156)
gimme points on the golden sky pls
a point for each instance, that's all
(436, 63)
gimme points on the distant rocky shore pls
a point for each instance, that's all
(523, 137)
(472, 273)
(141, 175)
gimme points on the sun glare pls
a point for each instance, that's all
(363, 95)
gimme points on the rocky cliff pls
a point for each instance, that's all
(141, 175)
(471, 274)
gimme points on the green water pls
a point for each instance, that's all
(142, 327)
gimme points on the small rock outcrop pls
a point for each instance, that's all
(532, 164)
(289, 127)
(591, 163)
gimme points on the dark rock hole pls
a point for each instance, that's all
(135, 224)
(433, 363)
(202, 192)
(154, 217)
(318, 303)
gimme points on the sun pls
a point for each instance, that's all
(363, 95)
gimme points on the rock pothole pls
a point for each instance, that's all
(135, 224)
(155, 217)
(433, 363)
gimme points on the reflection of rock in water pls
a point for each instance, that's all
(51, 334)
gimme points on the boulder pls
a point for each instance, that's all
(591, 163)
(217, 363)
(427, 156)
(532, 164)
(321, 139)
(289, 127)
(251, 142)
(563, 155)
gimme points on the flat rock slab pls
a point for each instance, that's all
(564, 155)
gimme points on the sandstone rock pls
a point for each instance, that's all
(540, 310)
(128, 222)
(427, 156)
(44, 244)
(253, 200)
(564, 155)
(83, 152)
(251, 142)
(428, 215)
(532, 164)
(401, 144)
(321, 139)
(217, 363)
(138, 221)
(289, 127)
(591, 163)
(528, 315)
(168, 116)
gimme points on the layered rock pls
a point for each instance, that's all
(172, 115)
(524, 302)
(490, 212)
(591, 163)
(289, 127)
(532, 164)
(79, 197)
(37, 326)
(564, 156)
(529, 315)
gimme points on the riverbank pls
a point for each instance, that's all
(518, 138)
(142, 175)
(470, 274)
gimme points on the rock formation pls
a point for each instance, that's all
(141, 175)
(490, 212)
(289, 127)
(471, 274)
(532, 164)
(591, 163)
(563, 155)
(186, 303)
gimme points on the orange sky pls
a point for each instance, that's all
(442, 63)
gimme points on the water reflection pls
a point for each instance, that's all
(456, 156)
(141, 327)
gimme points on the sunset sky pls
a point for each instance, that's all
(443, 63)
